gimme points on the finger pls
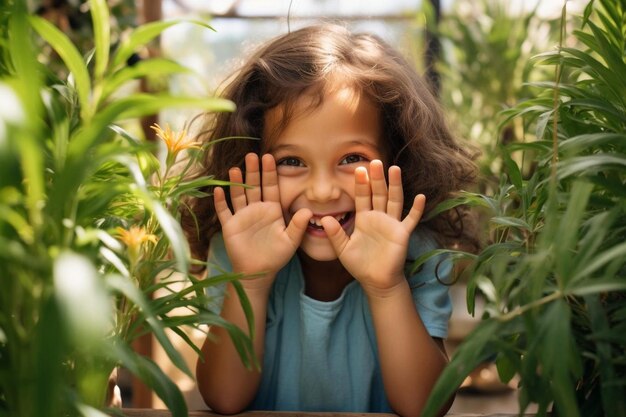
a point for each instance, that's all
(337, 236)
(379, 186)
(253, 178)
(269, 179)
(396, 194)
(221, 207)
(237, 193)
(415, 214)
(362, 190)
(298, 224)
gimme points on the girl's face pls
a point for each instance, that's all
(316, 155)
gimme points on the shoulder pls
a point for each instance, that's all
(217, 256)
(424, 261)
(421, 241)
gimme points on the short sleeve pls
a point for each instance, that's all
(218, 264)
(430, 294)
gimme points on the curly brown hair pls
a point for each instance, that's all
(415, 133)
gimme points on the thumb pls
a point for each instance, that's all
(338, 238)
(298, 224)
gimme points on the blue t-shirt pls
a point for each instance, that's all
(323, 356)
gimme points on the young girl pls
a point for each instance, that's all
(353, 150)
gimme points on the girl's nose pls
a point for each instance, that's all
(323, 187)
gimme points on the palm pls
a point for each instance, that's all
(376, 249)
(247, 236)
(375, 252)
(255, 235)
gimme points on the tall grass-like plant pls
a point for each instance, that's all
(88, 221)
(554, 273)
(487, 45)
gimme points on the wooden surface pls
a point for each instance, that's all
(138, 412)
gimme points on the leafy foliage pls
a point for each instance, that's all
(487, 46)
(554, 275)
(88, 221)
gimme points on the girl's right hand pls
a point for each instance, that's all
(255, 236)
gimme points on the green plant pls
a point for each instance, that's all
(554, 274)
(486, 67)
(88, 221)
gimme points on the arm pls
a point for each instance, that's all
(374, 254)
(411, 360)
(225, 384)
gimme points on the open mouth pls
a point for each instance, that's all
(343, 218)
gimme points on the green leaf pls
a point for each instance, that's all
(511, 222)
(152, 375)
(613, 400)
(597, 70)
(246, 306)
(242, 342)
(139, 105)
(558, 356)
(195, 184)
(102, 35)
(127, 288)
(587, 165)
(50, 345)
(452, 255)
(32, 161)
(71, 57)
(587, 12)
(601, 105)
(600, 260)
(590, 141)
(513, 170)
(168, 224)
(474, 350)
(566, 240)
(612, 54)
(465, 198)
(150, 67)
(144, 34)
(506, 367)
(598, 286)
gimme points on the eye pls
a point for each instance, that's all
(290, 161)
(352, 159)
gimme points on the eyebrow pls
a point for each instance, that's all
(355, 142)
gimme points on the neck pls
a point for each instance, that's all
(323, 280)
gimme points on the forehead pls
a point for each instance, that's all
(323, 104)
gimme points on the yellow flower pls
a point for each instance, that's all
(134, 237)
(174, 141)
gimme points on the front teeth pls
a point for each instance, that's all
(317, 221)
(340, 217)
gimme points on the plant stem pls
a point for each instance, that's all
(522, 309)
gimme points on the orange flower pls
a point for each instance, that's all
(134, 237)
(174, 141)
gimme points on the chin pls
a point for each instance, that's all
(319, 250)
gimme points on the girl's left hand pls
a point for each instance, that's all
(375, 253)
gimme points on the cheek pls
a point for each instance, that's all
(288, 192)
(346, 180)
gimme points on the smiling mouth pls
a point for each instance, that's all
(316, 222)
